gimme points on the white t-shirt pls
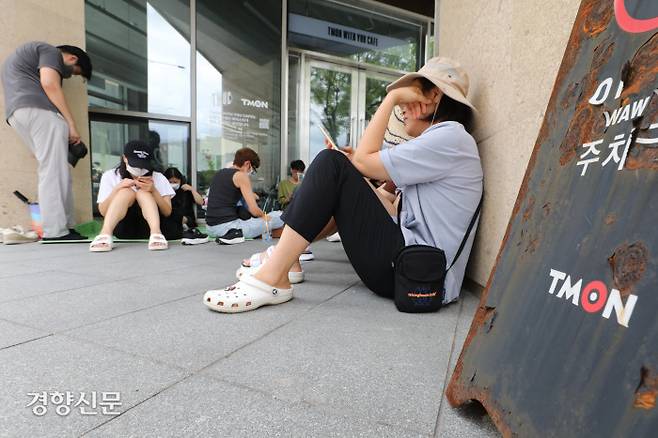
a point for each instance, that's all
(111, 178)
(440, 176)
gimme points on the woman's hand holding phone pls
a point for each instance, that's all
(126, 183)
(145, 183)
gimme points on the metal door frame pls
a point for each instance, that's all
(364, 74)
(359, 74)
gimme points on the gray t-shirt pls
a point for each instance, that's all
(440, 176)
(21, 80)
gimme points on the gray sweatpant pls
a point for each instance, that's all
(46, 133)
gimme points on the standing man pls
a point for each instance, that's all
(37, 110)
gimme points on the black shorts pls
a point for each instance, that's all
(134, 226)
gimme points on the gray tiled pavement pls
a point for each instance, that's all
(335, 361)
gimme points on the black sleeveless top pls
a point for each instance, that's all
(223, 198)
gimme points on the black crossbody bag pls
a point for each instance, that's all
(420, 272)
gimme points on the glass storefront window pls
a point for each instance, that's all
(141, 55)
(238, 86)
(171, 142)
(357, 34)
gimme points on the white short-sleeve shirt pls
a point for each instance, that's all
(111, 178)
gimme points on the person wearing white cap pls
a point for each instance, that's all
(438, 172)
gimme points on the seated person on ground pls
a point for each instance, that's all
(386, 191)
(288, 186)
(226, 188)
(186, 197)
(438, 173)
(135, 202)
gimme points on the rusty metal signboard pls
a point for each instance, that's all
(565, 341)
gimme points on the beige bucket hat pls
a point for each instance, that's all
(445, 73)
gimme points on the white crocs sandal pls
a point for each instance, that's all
(157, 242)
(101, 243)
(256, 260)
(307, 255)
(293, 277)
(247, 294)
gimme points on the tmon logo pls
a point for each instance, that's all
(593, 297)
(631, 24)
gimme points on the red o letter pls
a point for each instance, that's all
(593, 306)
(631, 24)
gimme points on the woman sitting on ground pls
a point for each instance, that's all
(135, 202)
(185, 199)
(288, 186)
(438, 173)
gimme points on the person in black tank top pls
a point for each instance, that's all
(223, 198)
(227, 187)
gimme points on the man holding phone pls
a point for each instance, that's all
(36, 108)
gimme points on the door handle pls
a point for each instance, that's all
(353, 132)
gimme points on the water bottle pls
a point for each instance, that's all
(267, 235)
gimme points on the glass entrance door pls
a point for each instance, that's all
(340, 99)
(332, 103)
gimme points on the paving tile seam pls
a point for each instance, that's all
(323, 408)
(156, 271)
(406, 429)
(448, 370)
(119, 350)
(137, 404)
(102, 320)
(141, 309)
(23, 325)
(239, 385)
(264, 335)
(59, 291)
(137, 276)
(10, 276)
(190, 374)
(67, 335)
(26, 342)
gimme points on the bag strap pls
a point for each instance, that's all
(468, 230)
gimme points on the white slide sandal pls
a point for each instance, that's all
(257, 259)
(306, 255)
(157, 242)
(293, 277)
(101, 243)
(247, 294)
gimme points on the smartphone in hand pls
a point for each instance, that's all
(328, 138)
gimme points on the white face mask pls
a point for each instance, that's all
(300, 176)
(252, 172)
(136, 171)
(175, 186)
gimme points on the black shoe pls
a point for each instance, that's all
(75, 233)
(231, 237)
(194, 237)
(71, 237)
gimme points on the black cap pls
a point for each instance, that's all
(139, 154)
(83, 59)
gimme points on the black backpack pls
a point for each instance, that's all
(420, 272)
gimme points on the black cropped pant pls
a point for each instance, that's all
(333, 187)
